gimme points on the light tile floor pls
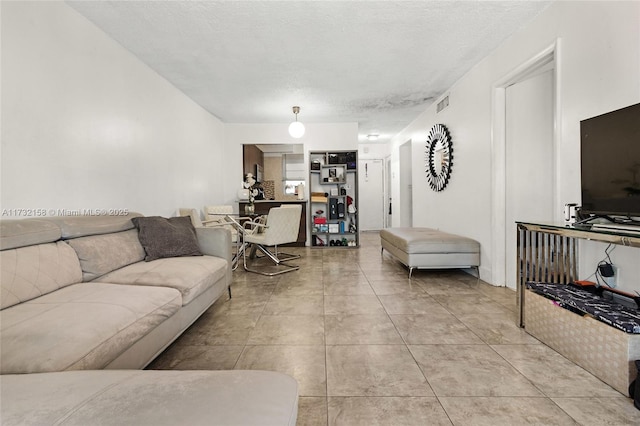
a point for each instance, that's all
(370, 347)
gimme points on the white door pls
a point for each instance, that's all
(529, 159)
(406, 186)
(388, 195)
(371, 194)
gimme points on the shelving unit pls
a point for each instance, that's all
(549, 253)
(333, 205)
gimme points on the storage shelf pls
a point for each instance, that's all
(334, 247)
(332, 233)
(345, 179)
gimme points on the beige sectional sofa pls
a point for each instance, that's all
(77, 294)
(149, 398)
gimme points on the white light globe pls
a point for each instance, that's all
(296, 129)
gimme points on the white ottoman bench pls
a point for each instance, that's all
(430, 249)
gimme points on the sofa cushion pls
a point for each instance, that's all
(162, 237)
(27, 232)
(81, 226)
(82, 326)
(189, 275)
(30, 272)
(427, 240)
(100, 254)
(134, 397)
(583, 300)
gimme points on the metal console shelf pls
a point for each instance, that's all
(549, 252)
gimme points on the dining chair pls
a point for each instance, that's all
(281, 227)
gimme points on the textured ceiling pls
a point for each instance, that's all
(378, 63)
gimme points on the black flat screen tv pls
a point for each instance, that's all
(610, 163)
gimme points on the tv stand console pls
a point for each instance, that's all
(549, 253)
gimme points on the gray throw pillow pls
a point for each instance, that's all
(162, 237)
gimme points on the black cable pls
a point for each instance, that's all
(607, 252)
(598, 276)
(605, 261)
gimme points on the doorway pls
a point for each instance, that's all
(371, 191)
(524, 154)
(388, 195)
(530, 159)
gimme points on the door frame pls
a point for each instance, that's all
(540, 61)
(383, 192)
(388, 192)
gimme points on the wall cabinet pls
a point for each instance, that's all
(333, 204)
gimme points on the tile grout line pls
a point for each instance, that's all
(326, 354)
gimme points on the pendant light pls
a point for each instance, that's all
(296, 128)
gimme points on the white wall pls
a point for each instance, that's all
(373, 150)
(85, 124)
(318, 137)
(599, 69)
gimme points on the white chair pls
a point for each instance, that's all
(199, 223)
(281, 227)
(220, 215)
(213, 212)
(223, 215)
(193, 214)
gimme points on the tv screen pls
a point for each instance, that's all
(610, 161)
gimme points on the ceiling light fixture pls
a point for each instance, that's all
(296, 128)
(372, 137)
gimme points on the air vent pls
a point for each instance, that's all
(442, 104)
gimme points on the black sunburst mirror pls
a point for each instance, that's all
(439, 157)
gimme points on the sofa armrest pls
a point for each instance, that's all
(216, 242)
